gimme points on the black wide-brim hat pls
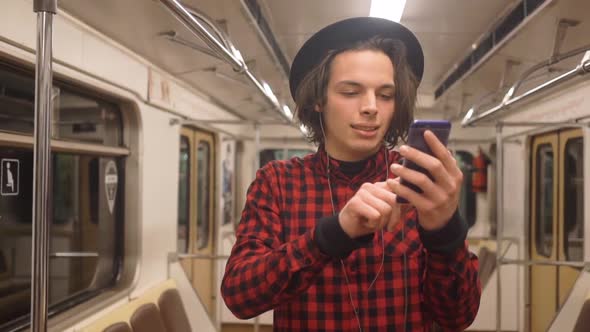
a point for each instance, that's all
(346, 33)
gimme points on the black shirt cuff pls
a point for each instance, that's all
(334, 242)
(447, 239)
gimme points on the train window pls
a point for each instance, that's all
(573, 235)
(267, 155)
(184, 195)
(86, 194)
(297, 153)
(467, 203)
(85, 119)
(544, 197)
(203, 190)
(75, 116)
(17, 101)
(84, 220)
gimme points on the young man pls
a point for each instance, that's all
(322, 240)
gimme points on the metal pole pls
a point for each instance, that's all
(499, 222)
(256, 148)
(525, 262)
(45, 10)
(256, 167)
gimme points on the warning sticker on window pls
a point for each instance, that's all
(9, 176)
(110, 181)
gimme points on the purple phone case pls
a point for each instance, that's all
(441, 130)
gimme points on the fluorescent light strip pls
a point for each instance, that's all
(388, 9)
(288, 112)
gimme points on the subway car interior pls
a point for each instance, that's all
(132, 130)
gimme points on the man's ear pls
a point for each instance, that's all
(317, 108)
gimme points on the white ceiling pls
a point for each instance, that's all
(533, 44)
(446, 29)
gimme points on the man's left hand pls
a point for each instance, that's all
(440, 198)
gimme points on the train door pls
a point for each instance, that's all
(196, 211)
(556, 225)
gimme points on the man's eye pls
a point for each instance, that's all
(349, 93)
(387, 96)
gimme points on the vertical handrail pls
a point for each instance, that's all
(256, 167)
(256, 148)
(45, 10)
(499, 222)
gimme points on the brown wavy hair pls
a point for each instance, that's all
(312, 90)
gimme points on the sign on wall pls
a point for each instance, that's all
(227, 181)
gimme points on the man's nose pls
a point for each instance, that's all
(369, 105)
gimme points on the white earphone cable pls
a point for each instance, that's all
(354, 307)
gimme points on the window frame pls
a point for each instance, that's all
(121, 156)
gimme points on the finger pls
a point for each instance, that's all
(394, 218)
(415, 199)
(441, 152)
(364, 210)
(390, 183)
(381, 206)
(383, 192)
(434, 166)
(417, 178)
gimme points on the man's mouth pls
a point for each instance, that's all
(365, 128)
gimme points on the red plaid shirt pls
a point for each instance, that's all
(276, 262)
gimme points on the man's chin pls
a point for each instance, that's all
(366, 150)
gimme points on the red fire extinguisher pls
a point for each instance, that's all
(479, 179)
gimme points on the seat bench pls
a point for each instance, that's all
(159, 309)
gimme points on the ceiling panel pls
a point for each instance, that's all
(446, 29)
(138, 24)
(533, 44)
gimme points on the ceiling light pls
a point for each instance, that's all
(288, 112)
(388, 9)
(468, 116)
(269, 92)
(238, 55)
(303, 129)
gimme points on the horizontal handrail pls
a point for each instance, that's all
(73, 254)
(493, 238)
(187, 18)
(582, 69)
(530, 262)
(175, 256)
(551, 61)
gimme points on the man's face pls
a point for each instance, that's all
(360, 104)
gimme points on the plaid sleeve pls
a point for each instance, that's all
(452, 289)
(263, 272)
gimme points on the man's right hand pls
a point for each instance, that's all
(373, 207)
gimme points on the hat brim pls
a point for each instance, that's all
(346, 33)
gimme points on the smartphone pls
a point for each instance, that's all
(441, 129)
